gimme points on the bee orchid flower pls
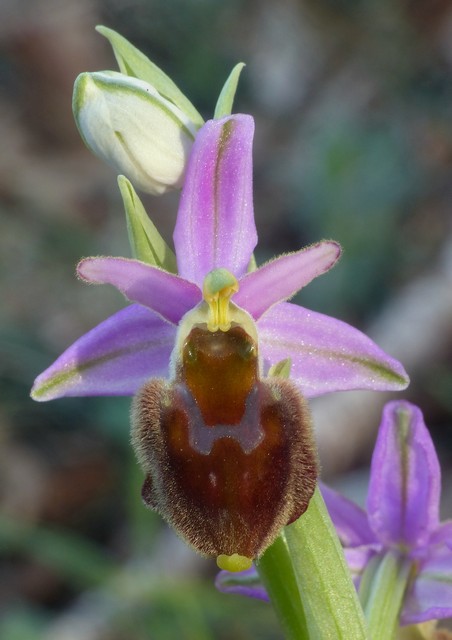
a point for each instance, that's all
(227, 448)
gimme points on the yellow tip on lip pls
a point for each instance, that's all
(234, 563)
(218, 287)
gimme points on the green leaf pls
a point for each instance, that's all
(134, 63)
(329, 598)
(226, 97)
(277, 574)
(146, 242)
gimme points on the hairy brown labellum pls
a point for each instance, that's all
(229, 457)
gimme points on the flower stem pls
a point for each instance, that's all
(276, 572)
(385, 596)
(365, 584)
(330, 601)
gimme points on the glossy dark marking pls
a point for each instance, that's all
(219, 369)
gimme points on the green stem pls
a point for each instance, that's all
(365, 584)
(276, 572)
(330, 601)
(306, 575)
(385, 597)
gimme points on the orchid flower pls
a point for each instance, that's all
(402, 515)
(239, 324)
(400, 529)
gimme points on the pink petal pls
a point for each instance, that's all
(215, 224)
(349, 520)
(165, 293)
(403, 498)
(442, 534)
(430, 595)
(327, 354)
(113, 359)
(281, 278)
(243, 583)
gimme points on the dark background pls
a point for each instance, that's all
(352, 102)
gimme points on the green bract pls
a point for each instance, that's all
(129, 124)
(145, 241)
(227, 95)
(132, 62)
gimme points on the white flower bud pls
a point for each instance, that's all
(126, 122)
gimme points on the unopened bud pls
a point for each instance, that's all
(126, 122)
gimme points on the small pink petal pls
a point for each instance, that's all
(282, 277)
(165, 293)
(243, 583)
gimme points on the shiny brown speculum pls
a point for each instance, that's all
(229, 456)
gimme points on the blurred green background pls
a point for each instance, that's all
(352, 101)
